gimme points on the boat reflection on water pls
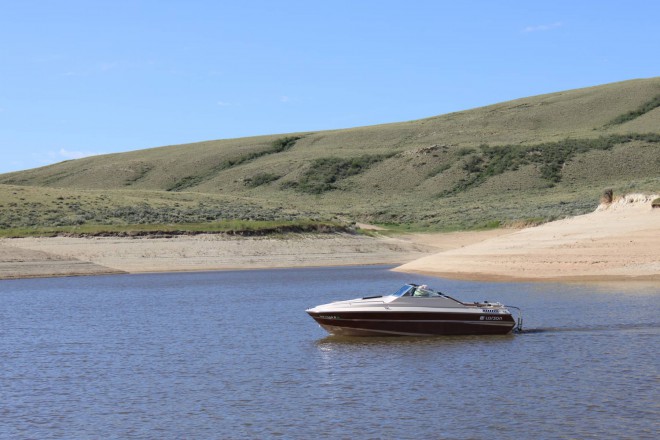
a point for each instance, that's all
(413, 311)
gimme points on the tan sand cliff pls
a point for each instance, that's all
(620, 240)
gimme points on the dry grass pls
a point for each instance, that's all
(532, 159)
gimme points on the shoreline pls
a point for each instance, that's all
(76, 256)
(456, 276)
(617, 242)
(491, 278)
(66, 256)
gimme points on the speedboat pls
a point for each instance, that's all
(414, 311)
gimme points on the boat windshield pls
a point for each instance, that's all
(422, 292)
(404, 291)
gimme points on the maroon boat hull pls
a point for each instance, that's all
(383, 323)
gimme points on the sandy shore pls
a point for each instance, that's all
(619, 241)
(42, 257)
(61, 256)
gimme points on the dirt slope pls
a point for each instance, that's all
(617, 241)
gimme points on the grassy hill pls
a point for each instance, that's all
(532, 159)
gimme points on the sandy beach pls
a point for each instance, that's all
(62, 256)
(619, 241)
(59, 256)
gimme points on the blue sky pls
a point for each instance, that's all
(89, 77)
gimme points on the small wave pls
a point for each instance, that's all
(392, 341)
(594, 328)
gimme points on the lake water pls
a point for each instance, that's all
(226, 355)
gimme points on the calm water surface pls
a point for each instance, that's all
(227, 355)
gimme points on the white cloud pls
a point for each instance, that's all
(543, 27)
(285, 99)
(224, 103)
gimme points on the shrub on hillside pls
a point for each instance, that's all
(277, 146)
(643, 109)
(260, 179)
(607, 196)
(549, 157)
(473, 164)
(439, 169)
(325, 173)
(464, 151)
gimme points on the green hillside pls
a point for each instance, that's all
(532, 159)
